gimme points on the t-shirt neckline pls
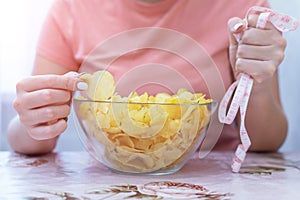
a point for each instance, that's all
(150, 8)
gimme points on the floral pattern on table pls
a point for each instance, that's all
(151, 190)
(78, 176)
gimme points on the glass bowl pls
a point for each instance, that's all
(141, 138)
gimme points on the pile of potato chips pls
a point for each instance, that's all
(142, 133)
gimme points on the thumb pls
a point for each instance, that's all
(236, 26)
(71, 74)
(79, 84)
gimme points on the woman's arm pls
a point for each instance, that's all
(42, 103)
(266, 122)
(259, 54)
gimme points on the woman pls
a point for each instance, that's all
(75, 31)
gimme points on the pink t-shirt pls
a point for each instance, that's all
(155, 47)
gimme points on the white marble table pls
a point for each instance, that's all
(76, 175)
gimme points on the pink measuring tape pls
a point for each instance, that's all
(243, 85)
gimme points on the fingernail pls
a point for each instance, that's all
(237, 26)
(82, 86)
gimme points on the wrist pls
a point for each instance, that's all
(21, 142)
(262, 88)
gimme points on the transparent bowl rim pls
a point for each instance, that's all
(213, 103)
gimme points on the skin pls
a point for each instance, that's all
(43, 101)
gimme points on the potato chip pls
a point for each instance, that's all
(101, 85)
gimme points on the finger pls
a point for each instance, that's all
(48, 131)
(39, 82)
(44, 97)
(254, 36)
(235, 26)
(258, 70)
(263, 53)
(235, 29)
(45, 114)
(252, 21)
(71, 74)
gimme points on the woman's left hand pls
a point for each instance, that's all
(259, 51)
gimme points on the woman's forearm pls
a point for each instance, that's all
(266, 122)
(21, 142)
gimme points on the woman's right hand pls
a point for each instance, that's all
(43, 103)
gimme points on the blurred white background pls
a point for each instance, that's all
(21, 20)
(289, 75)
